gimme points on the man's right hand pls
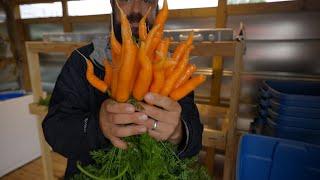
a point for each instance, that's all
(119, 120)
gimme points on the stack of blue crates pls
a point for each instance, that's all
(290, 109)
(269, 158)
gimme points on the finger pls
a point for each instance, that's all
(134, 118)
(117, 142)
(161, 127)
(155, 112)
(162, 101)
(114, 107)
(156, 135)
(130, 130)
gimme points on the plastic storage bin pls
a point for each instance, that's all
(293, 93)
(267, 158)
(283, 120)
(300, 134)
(295, 111)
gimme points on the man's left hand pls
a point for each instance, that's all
(166, 113)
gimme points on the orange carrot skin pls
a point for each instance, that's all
(108, 72)
(186, 88)
(150, 37)
(157, 81)
(191, 68)
(179, 52)
(172, 79)
(162, 16)
(142, 26)
(126, 72)
(135, 70)
(115, 45)
(93, 79)
(114, 83)
(155, 42)
(162, 49)
(169, 64)
(181, 49)
(144, 79)
(128, 55)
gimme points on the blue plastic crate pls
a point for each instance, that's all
(263, 112)
(283, 120)
(267, 158)
(300, 134)
(264, 103)
(11, 94)
(263, 92)
(294, 110)
(292, 93)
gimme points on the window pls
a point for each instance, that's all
(252, 1)
(89, 7)
(189, 4)
(2, 16)
(41, 10)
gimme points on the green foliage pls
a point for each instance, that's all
(145, 159)
(45, 101)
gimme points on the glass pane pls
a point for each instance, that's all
(50, 67)
(252, 1)
(37, 30)
(89, 7)
(91, 27)
(2, 16)
(41, 10)
(183, 4)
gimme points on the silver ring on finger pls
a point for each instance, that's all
(155, 125)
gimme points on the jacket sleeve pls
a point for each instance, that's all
(192, 142)
(71, 126)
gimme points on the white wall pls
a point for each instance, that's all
(19, 142)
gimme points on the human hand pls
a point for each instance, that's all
(165, 112)
(119, 120)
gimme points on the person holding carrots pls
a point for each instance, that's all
(82, 118)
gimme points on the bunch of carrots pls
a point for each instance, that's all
(139, 68)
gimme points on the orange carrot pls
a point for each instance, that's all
(142, 26)
(172, 79)
(158, 80)
(135, 70)
(116, 61)
(191, 68)
(128, 55)
(108, 72)
(179, 52)
(162, 49)
(144, 79)
(150, 37)
(162, 16)
(115, 45)
(186, 88)
(93, 79)
(155, 42)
